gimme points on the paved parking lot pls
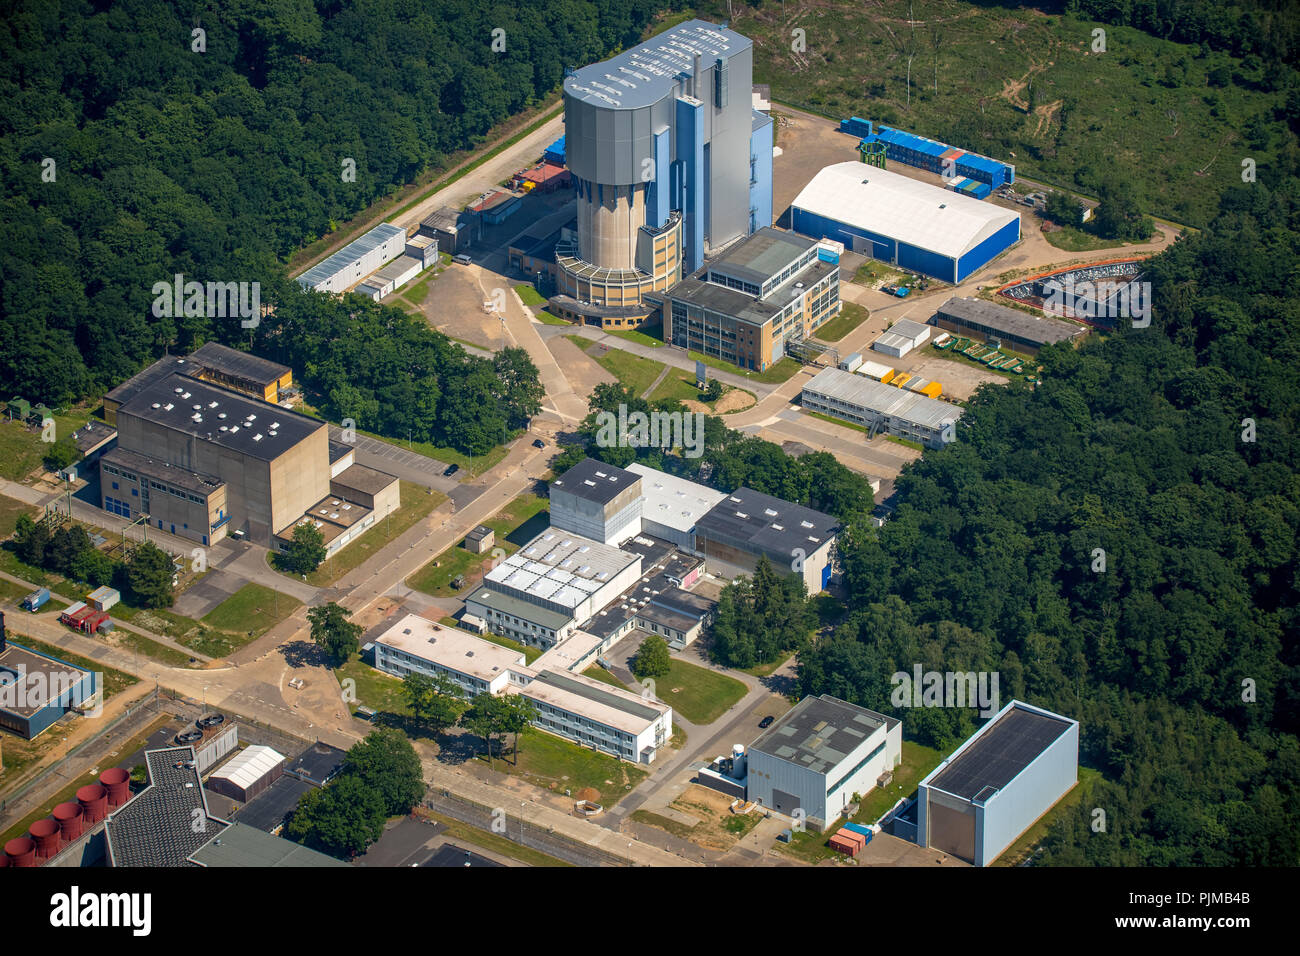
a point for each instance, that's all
(400, 462)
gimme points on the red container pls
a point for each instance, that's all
(48, 839)
(118, 784)
(21, 852)
(69, 817)
(94, 802)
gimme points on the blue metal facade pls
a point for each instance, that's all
(989, 249)
(689, 193)
(42, 719)
(659, 192)
(760, 173)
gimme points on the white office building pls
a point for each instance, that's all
(599, 715)
(417, 645)
(901, 337)
(895, 411)
(670, 506)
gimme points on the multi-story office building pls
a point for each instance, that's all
(749, 304)
(880, 407)
(417, 645)
(670, 162)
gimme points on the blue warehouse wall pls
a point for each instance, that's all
(926, 262)
(881, 247)
(989, 249)
(690, 153)
(760, 180)
(659, 192)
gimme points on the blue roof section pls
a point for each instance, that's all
(349, 254)
(975, 161)
(557, 147)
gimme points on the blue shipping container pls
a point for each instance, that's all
(859, 828)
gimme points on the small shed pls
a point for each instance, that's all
(19, 408)
(480, 539)
(247, 773)
(101, 599)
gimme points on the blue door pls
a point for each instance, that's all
(826, 575)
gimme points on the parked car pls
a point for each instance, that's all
(766, 722)
(450, 470)
(538, 443)
(462, 259)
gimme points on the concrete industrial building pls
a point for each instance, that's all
(748, 304)
(671, 506)
(359, 258)
(450, 228)
(816, 757)
(201, 461)
(213, 363)
(904, 222)
(1011, 328)
(598, 501)
(417, 645)
(748, 524)
(880, 407)
(998, 783)
(670, 163)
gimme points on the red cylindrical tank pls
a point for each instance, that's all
(21, 852)
(69, 817)
(46, 834)
(4, 859)
(94, 802)
(118, 784)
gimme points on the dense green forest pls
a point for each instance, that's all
(220, 164)
(1172, 449)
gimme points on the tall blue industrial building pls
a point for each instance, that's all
(670, 163)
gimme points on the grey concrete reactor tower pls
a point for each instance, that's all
(670, 162)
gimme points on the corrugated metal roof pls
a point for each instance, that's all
(882, 399)
(904, 209)
(349, 254)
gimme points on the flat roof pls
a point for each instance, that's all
(762, 255)
(909, 328)
(646, 73)
(242, 845)
(997, 752)
(517, 607)
(479, 533)
(818, 733)
(675, 502)
(763, 523)
(91, 435)
(451, 647)
(595, 481)
(595, 700)
(349, 254)
(396, 269)
(368, 481)
(317, 764)
(560, 567)
(268, 810)
(1034, 328)
(18, 662)
(156, 827)
(859, 390)
(908, 210)
(741, 305)
(163, 471)
(339, 450)
(225, 417)
(221, 358)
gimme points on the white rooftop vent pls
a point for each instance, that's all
(806, 524)
(179, 390)
(212, 405)
(168, 407)
(185, 395)
(156, 405)
(257, 437)
(769, 512)
(741, 514)
(221, 415)
(196, 407)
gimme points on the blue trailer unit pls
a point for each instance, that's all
(859, 828)
(37, 599)
(555, 152)
(856, 126)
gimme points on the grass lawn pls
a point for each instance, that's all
(851, 316)
(10, 510)
(373, 688)
(906, 442)
(1024, 846)
(596, 672)
(699, 695)
(550, 318)
(1074, 239)
(142, 645)
(764, 670)
(555, 764)
(521, 513)
(774, 374)
(679, 386)
(530, 295)
(238, 620)
(530, 653)
(872, 271)
(492, 841)
(416, 504)
(650, 335)
(917, 762)
(21, 448)
(633, 371)
(838, 421)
